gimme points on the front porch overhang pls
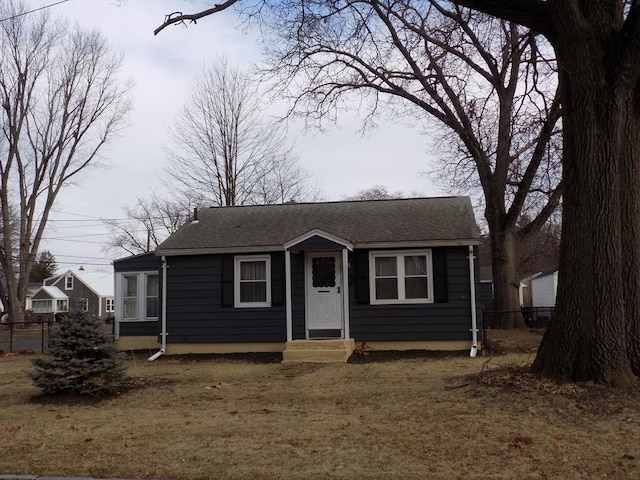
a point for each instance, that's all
(317, 240)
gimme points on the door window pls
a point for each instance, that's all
(323, 272)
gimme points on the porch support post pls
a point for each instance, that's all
(345, 291)
(287, 276)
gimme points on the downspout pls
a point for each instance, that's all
(474, 320)
(163, 323)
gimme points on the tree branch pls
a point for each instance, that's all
(179, 17)
(533, 14)
(536, 224)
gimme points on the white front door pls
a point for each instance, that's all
(324, 291)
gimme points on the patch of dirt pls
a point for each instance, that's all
(255, 358)
(589, 398)
(373, 356)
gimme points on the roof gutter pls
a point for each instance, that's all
(163, 329)
(474, 320)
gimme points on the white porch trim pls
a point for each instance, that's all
(345, 293)
(287, 276)
(320, 233)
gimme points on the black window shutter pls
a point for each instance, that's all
(361, 265)
(277, 279)
(440, 292)
(227, 280)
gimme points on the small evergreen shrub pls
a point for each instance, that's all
(83, 360)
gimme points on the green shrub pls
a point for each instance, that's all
(83, 360)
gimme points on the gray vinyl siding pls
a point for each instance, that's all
(450, 320)
(139, 329)
(298, 295)
(195, 312)
(543, 290)
(79, 292)
(194, 308)
(139, 263)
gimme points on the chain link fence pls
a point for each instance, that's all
(499, 340)
(33, 336)
(25, 337)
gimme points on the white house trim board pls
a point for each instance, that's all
(345, 293)
(416, 244)
(288, 310)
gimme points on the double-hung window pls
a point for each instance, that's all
(151, 293)
(83, 304)
(401, 277)
(68, 282)
(252, 281)
(130, 296)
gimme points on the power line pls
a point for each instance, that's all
(86, 263)
(34, 10)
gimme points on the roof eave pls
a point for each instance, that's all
(172, 252)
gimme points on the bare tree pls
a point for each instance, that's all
(595, 333)
(377, 192)
(147, 224)
(60, 103)
(484, 87)
(223, 152)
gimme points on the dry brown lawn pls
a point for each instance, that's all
(408, 418)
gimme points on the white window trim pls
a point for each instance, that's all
(236, 280)
(110, 305)
(399, 254)
(67, 277)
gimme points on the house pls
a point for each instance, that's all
(543, 289)
(82, 290)
(389, 274)
(47, 301)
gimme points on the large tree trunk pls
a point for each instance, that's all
(597, 301)
(506, 299)
(630, 193)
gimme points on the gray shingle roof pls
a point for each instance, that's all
(393, 222)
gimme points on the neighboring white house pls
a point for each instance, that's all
(81, 290)
(543, 290)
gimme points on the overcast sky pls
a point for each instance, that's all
(341, 161)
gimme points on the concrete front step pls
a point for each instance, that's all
(318, 351)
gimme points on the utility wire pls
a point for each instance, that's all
(32, 11)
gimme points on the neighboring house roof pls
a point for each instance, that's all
(99, 281)
(439, 220)
(32, 288)
(53, 292)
